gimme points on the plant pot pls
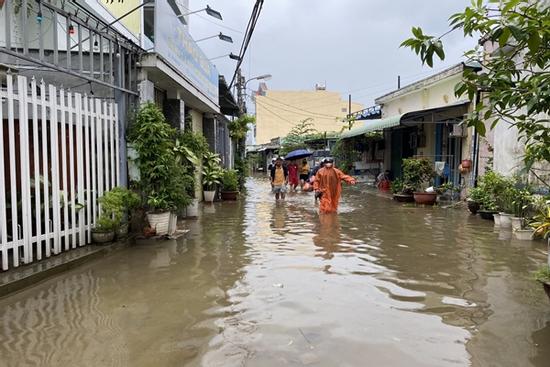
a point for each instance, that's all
(425, 198)
(473, 207)
(160, 222)
(192, 210)
(230, 195)
(505, 220)
(486, 214)
(496, 218)
(99, 236)
(173, 224)
(517, 223)
(524, 234)
(403, 198)
(209, 196)
(122, 231)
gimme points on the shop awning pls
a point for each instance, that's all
(443, 114)
(372, 125)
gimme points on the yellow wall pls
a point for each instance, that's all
(133, 21)
(278, 111)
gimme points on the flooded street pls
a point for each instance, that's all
(255, 283)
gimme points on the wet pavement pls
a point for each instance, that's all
(256, 283)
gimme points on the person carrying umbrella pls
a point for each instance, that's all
(328, 186)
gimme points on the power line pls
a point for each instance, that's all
(210, 21)
(248, 36)
(303, 112)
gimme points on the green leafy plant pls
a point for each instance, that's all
(397, 186)
(297, 136)
(345, 154)
(163, 180)
(541, 222)
(211, 171)
(239, 127)
(521, 200)
(543, 274)
(106, 224)
(230, 180)
(515, 80)
(476, 194)
(416, 173)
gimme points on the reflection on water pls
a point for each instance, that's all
(260, 283)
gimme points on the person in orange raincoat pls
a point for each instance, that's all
(328, 186)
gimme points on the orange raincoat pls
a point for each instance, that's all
(328, 182)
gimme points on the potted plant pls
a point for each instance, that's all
(417, 174)
(161, 174)
(104, 231)
(230, 185)
(211, 175)
(520, 203)
(159, 212)
(116, 203)
(487, 206)
(400, 193)
(475, 197)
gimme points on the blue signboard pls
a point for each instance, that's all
(175, 45)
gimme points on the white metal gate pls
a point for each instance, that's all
(58, 154)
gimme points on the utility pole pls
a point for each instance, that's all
(240, 85)
(399, 82)
(349, 112)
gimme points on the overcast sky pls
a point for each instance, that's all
(352, 45)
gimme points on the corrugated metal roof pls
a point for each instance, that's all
(372, 125)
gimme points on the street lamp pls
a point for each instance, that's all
(231, 56)
(213, 13)
(220, 35)
(260, 77)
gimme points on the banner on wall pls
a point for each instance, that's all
(175, 45)
(132, 21)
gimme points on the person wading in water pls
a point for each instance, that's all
(279, 179)
(328, 186)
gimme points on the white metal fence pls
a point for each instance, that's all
(58, 154)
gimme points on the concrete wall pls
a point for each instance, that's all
(196, 126)
(279, 111)
(440, 94)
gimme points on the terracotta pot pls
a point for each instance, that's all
(102, 236)
(160, 222)
(403, 198)
(488, 215)
(230, 195)
(425, 198)
(473, 207)
(466, 164)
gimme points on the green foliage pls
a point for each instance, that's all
(162, 176)
(541, 222)
(114, 204)
(230, 180)
(515, 80)
(543, 274)
(241, 166)
(211, 171)
(417, 172)
(397, 186)
(239, 127)
(345, 154)
(476, 194)
(297, 136)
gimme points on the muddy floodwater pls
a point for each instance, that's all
(255, 283)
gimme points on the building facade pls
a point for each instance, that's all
(277, 112)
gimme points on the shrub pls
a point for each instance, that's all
(416, 173)
(230, 180)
